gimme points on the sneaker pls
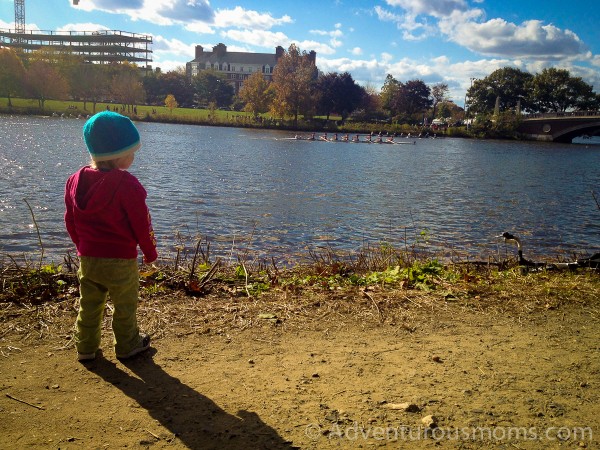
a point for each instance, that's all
(86, 356)
(143, 346)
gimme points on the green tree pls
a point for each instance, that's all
(438, 95)
(389, 93)
(12, 74)
(212, 87)
(176, 82)
(555, 90)
(413, 98)
(256, 94)
(509, 85)
(338, 93)
(293, 79)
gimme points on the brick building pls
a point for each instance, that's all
(237, 66)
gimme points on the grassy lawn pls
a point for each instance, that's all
(77, 108)
(194, 116)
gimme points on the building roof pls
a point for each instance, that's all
(237, 58)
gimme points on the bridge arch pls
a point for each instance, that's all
(567, 134)
(560, 127)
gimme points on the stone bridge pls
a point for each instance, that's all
(560, 127)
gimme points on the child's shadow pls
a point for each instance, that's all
(191, 417)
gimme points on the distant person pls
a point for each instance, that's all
(107, 218)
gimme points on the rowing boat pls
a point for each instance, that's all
(350, 141)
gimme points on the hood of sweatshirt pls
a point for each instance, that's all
(93, 190)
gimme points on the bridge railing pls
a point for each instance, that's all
(561, 114)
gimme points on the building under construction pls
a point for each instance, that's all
(104, 46)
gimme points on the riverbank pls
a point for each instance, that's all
(218, 117)
(323, 357)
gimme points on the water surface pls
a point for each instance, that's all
(255, 190)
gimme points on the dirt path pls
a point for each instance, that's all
(489, 381)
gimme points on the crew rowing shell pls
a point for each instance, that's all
(356, 139)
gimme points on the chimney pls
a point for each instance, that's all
(279, 52)
(220, 49)
(199, 51)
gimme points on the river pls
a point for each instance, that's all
(255, 191)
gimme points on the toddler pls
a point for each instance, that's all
(107, 218)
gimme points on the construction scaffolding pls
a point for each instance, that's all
(104, 46)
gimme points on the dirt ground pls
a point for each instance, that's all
(359, 370)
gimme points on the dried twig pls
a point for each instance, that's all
(192, 270)
(246, 283)
(37, 228)
(208, 275)
(24, 402)
(366, 294)
(154, 435)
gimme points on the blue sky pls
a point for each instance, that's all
(435, 41)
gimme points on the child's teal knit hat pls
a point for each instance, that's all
(109, 135)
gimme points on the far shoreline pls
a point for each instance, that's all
(239, 119)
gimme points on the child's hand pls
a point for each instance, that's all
(146, 261)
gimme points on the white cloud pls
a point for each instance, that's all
(532, 39)
(259, 38)
(168, 65)
(435, 8)
(159, 12)
(356, 51)
(386, 57)
(242, 18)
(319, 47)
(83, 27)
(413, 30)
(162, 45)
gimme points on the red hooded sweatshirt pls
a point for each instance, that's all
(107, 216)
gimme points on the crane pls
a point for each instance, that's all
(20, 16)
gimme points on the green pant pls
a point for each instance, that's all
(99, 277)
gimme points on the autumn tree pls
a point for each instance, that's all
(90, 82)
(126, 85)
(292, 81)
(170, 102)
(12, 74)
(256, 94)
(44, 82)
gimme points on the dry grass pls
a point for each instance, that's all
(330, 293)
